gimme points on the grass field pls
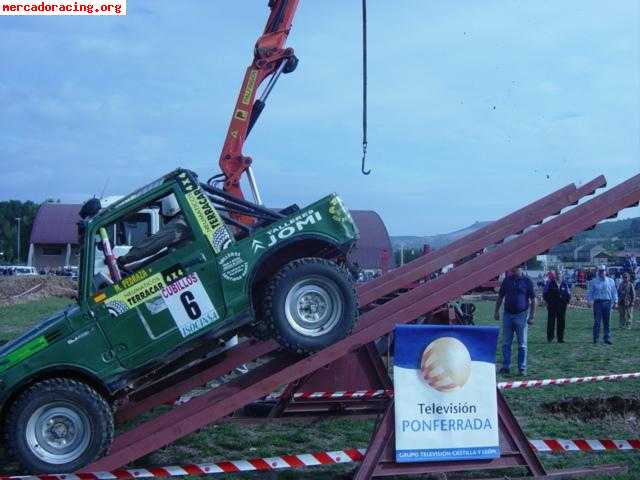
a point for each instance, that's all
(577, 357)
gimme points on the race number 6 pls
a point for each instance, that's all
(190, 305)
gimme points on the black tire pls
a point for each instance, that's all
(74, 410)
(310, 283)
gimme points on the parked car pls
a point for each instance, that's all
(23, 270)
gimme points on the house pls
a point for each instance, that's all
(54, 236)
(373, 249)
(588, 253)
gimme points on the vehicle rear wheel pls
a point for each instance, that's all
(310, 304)
(58, 426)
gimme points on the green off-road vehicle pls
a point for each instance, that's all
(283, 277)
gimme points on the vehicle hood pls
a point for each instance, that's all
(40, 330)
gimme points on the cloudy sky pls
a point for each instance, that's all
(476, 107)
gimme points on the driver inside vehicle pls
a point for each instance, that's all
(173, 234)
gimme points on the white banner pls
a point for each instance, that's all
(445, 393)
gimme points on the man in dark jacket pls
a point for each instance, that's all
(557, 295)
(518, 295)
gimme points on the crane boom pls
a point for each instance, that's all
(271, 58)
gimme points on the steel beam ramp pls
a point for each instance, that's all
(285, 368)
(197, 374)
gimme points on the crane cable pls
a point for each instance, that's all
(364, 87)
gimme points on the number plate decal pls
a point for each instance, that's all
(189, 304)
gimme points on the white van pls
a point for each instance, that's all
(20, 270)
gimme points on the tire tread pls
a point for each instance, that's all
(268, 326)
(11, 424)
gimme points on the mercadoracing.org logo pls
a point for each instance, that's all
(62, 7)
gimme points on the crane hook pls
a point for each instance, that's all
(364, 157)
(364, 87)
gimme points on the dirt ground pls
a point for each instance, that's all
(597, 407)
(22, 289)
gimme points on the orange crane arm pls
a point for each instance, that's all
(270, 59)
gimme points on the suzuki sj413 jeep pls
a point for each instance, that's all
(283, 277)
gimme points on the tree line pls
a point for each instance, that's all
(10, 212)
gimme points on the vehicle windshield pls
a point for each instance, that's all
(132, 196)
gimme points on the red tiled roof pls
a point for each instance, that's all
(55, 223)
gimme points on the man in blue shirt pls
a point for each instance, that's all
(518, 295)
(603, 295)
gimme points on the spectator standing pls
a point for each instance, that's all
(557, 295)
(626, 297)
(602, 295)
(630, 265)
(518, 295)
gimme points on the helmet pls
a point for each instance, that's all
(169, 206)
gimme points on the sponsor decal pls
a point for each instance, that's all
(173, 273)
(187, 184)
(116, 307)
(144, 288)
(221, 239)
(287, 229)
(445, 393)
(189, 304)
(137, 294)
(21, 353)
(257, 245)
(100, 297)
(233, 266)
(338, 211)
(156, 305)
(241, 115)
(80, 336)
(251, 84)
(134, 278)
(209, 220)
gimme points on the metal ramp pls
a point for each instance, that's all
(514, 238)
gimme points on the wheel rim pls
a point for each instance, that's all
(313, 306)
(58, 433)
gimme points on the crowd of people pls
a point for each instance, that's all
(604, 294)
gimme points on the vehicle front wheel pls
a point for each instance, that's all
(310, 304)
(58, 426)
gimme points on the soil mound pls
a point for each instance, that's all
(22, 289)
(595, 408)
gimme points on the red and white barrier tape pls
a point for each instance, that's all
(252, 465)
(364, 394)
(310, 460)
(566, 381)
(582, 445)
(359, 394)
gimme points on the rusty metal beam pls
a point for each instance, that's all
(200, 373)
(189, 378)
(283, 369)
(380, 437)
(504, 221)
(495, 232)
(549, 233)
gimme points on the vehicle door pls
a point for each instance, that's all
(165, 301)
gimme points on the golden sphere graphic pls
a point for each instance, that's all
(446, 364)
